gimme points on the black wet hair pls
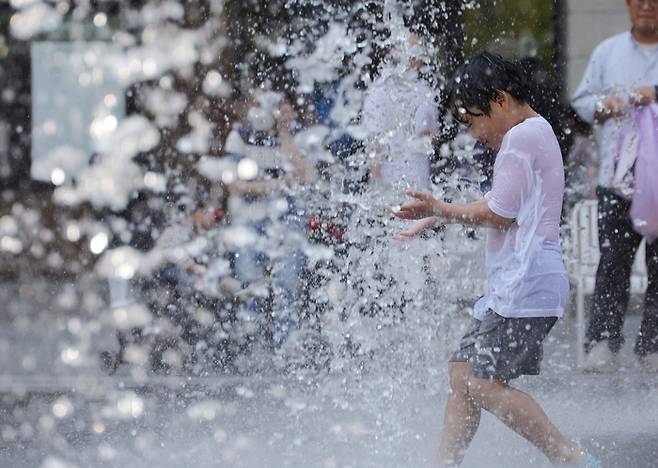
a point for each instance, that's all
(480, 80)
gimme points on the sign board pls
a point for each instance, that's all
(76, 101)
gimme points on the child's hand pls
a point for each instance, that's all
(416, 228)
(424, 206)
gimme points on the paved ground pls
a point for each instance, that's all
(54, 416)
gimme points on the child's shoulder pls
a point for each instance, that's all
(528, 133)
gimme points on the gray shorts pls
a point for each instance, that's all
(504, 348)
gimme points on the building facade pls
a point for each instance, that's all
(588, 23)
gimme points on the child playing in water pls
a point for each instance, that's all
(527, 283)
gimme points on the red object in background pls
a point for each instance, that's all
(315, 224)
(217, 214)
(335, 232)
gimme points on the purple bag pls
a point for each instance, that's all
(644, 208)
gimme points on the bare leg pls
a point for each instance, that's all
(522, 414)
(461, 418)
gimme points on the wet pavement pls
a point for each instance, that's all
(54, 416)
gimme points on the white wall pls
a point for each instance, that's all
(588, 23)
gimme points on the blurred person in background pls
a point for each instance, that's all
(400, 116)
(620, 79)
(398, 119)
(181, 259)
(266, 202)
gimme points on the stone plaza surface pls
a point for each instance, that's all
(81, 418)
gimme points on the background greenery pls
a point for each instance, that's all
(511, 27)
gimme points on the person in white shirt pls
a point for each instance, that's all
(400, 115)
(398, 119)
(622, 74)
(527, 282)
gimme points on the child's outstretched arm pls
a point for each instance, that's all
(416, 228)
(476, 213)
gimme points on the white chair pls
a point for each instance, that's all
(584, 260)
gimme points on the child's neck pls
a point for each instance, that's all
(520, 114)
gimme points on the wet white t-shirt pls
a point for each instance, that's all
(526, 276)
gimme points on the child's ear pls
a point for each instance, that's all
(500, 98)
